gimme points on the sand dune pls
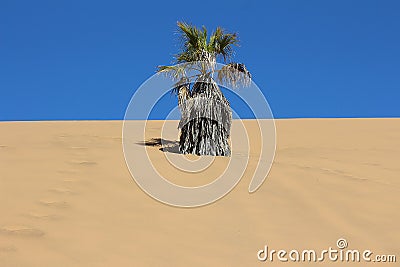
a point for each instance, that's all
(67, 197)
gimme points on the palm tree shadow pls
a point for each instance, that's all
(165, 145)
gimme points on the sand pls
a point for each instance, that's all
(68, 199)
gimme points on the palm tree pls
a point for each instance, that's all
(206, 115)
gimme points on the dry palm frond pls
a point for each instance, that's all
(182, 90)
(176, 72)
(234, 74)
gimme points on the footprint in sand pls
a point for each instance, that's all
(19, 230)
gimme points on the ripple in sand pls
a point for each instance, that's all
(67, 171)
(76, 182)
(18, 230)
(84, 163)
(79, 147)
(42, 216)
(372, 164)
(55, 203)
(62, 191)
(8, 249)
(69, 180)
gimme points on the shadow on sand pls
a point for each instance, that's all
(166, 145)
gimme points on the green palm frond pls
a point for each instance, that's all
(213, 44)
(195, 43)
(204, 37)
(221, 43)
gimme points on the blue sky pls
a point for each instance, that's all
(84, 59)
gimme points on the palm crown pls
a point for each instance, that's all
(205, 112)
(197, 47)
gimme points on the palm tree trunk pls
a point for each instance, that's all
(206, 121)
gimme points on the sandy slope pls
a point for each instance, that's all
(67, 198)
